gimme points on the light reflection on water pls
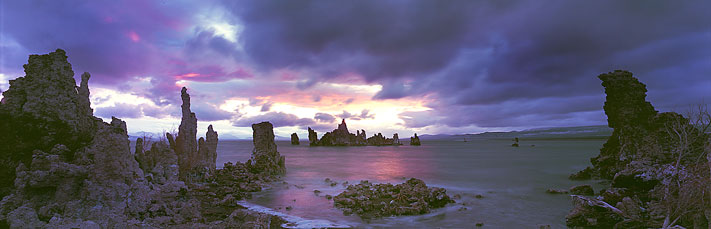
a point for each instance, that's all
(512, 180)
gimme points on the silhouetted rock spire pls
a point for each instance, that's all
(294, 139)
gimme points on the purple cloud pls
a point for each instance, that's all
(119, 110)
(278, 119)
(476, 63)
(324, 117)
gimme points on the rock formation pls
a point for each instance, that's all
(341, 137)
(185, 142)
(196, 158)
(206, 159)
(313, 137)
(396, 139)
(656, 161)
(415, 141)
(294, 139)
(265, 157)
(379, 140)
(381, 200)
(69, 169)
(361, 138)
(515, 144)
(158, 163)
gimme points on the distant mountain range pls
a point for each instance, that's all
(578, 132)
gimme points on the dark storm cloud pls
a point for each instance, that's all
(112, 40)
(475, 63)
(475, 56)
(120, 110)
(208, 112)
(267, 106)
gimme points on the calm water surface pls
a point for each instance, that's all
(511, 180)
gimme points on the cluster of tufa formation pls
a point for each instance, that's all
(658, 164)
(381, 200)
(342, 137)
(61, 167)
(196, 159)
(415, 141)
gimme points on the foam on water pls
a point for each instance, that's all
(294, 221)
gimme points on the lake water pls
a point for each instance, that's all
(511, 180)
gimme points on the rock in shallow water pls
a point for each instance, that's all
(380, 200)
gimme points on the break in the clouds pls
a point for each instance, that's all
(437, 66)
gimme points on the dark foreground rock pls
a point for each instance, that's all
(64, 168)
(380, 200)
(585, 190)
(658, 164)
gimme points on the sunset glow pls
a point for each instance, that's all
(393, 72)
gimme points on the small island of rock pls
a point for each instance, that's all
(342, 137)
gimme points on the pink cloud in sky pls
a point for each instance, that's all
(134, 36)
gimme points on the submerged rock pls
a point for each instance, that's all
(381, 200)
(294, 139)
(557, 191)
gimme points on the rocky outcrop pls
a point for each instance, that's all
(631, 117)
(593, 213)
(396, 139)
(72, 170)
(294, 139)
(196, 158)
(43, 109)
(361, 138)
(381, 200)
(415, 140)
(341, 137)
(159, 163)
(313, 137)
(88, 174)
(206, 159)
(655, 161)
(585, 189)
(265, 157)
(379, 140)
(185, 142)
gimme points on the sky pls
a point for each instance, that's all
(426, 67)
